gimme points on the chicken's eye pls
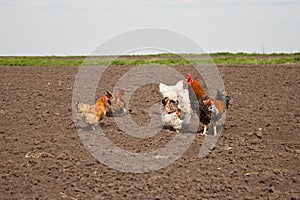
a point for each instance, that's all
(163, 101)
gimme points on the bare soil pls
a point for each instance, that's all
(42, 156)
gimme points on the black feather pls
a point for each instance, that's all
(221, 96)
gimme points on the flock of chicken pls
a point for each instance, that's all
(177, 105)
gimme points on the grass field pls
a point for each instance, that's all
(223, 58)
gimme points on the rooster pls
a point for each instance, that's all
(176, 105)
(92, 114)
(208, 110)
(116, 103)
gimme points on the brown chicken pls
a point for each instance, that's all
(208, 110)
(116, 103)
(92, 114)
(110, 101)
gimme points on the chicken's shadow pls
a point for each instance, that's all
(210, 130)
(183, 130)
(109, 114)
(87, 128)
(166, 127)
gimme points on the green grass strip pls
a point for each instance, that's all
(161, 59)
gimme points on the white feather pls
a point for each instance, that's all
(172, 120)
(167, 91)
(178, 87)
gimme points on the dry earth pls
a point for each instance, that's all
(42, 156)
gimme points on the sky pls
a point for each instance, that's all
(65, 27)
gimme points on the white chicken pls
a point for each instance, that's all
(176, 107)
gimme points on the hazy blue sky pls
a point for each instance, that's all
(65, 27)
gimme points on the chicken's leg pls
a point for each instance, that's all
(215, 129)
(205, 130)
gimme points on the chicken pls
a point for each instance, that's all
(116, 103)
(208, 110)
(176, 105)
(120, 102)
(110, 100)
(171, 114)
(197, 96)
(92, 114)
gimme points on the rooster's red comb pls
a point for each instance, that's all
(188, 76)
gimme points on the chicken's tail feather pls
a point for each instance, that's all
(224, 98)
